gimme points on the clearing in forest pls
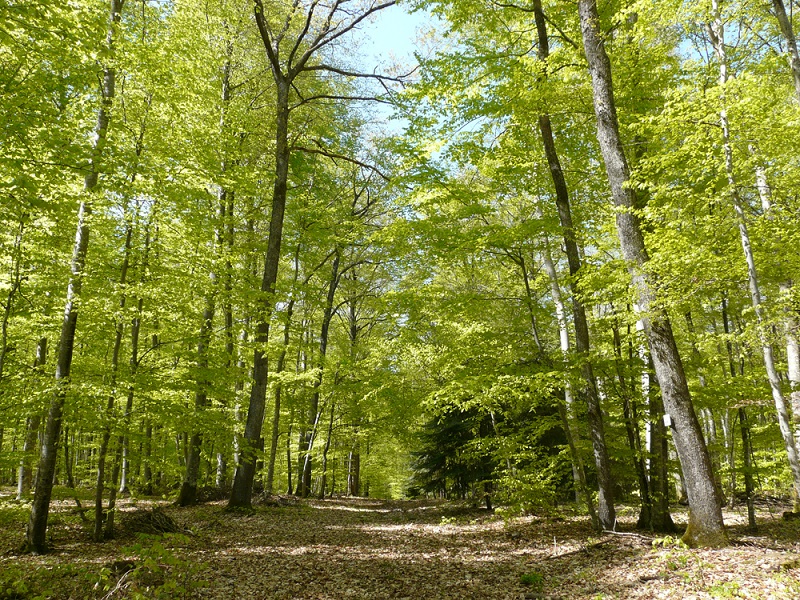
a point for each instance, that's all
(372, 549)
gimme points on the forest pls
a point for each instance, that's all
(266, 293)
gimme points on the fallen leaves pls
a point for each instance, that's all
(371, 550)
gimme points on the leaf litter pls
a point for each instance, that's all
(368, 549)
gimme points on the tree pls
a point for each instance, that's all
(37, 525)
(706, 527)
(286, 65)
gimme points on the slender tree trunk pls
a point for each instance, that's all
(188, 493)
(706, 526)
(313, 412)
(226, 240)
(717, 35)
(8, 305)
(225, 203)
(32, 429)
(102, 453)
(633, 434)
(791, 43)
(325, 450)
(520, 260)
(121, 461)
(579, 473)
(276, 415)
(241, 493)
(606, 512)
(37, 525)
(747, 451)
(289, 488)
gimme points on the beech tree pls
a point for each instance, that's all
(309, 36)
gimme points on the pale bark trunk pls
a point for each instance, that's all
(579, 474)
(706, 526)
(37, 525)
(717, 35)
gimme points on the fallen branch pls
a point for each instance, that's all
(629, 534)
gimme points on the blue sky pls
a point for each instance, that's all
(393, 34)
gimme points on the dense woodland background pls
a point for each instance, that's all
(435, 312)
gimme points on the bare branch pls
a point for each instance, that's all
(304, 101)
(345, 73)
(324, 38)
(286, 24)
(335, 156)
(299, 40)
(266, 38)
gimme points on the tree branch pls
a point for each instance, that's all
(334, 156)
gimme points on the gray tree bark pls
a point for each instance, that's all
(589, 392)
(37, 525)
(706, 526)
(25, 473)
(791, 43)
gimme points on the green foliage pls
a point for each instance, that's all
(155, 570)
(533, 580)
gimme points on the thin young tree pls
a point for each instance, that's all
(716, 32)
(37, 525)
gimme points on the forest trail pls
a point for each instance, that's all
(371, 549)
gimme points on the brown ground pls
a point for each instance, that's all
(370, 549)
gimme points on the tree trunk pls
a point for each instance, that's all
(633, 434)
(579, 473)
(325, 450)
(788, 33)
(276, 414)
(706, 526)
(241, 493)
(32, 430)
(37, 525)
(747, 452)
(313, 412)
(660, 519)
(606, 511)
(102, 453)
(717, 34)
(16, 282)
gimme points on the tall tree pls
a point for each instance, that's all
(706, 527)
(37, 525)
(287, 63)
(605, 505)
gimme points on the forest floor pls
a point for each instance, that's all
(371, 549)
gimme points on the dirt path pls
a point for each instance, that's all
(366, 549)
